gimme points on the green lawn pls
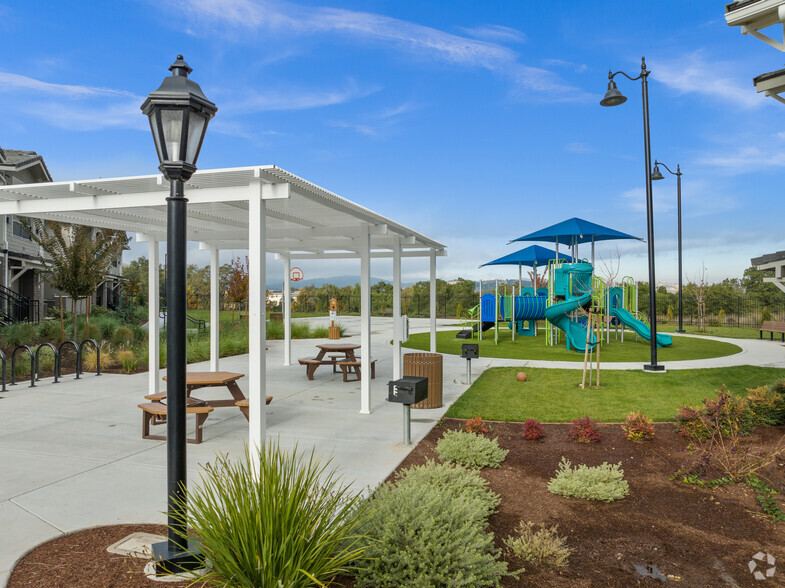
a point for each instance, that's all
(551, 395)
(715, 331)
(535, 347)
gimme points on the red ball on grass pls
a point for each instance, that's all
(521, 376)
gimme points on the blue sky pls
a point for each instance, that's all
(471, 122)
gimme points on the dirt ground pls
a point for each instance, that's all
(663, 532)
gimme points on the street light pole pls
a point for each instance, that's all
(656, 175)
(178, 112)
(613, 97)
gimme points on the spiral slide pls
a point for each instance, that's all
(641, 328)
(558, 314)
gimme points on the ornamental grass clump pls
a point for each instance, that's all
(638, 427)
(274, 518)
(605, 482)
(470, 449)
(428, 529)
(538, 545)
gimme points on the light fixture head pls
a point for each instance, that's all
(613, 97)
(656, 174)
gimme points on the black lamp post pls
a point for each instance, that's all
(179, 113)
(656, 175)
(613, 98)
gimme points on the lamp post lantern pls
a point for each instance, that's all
(613, 97)
(179, 112)
(656, 175)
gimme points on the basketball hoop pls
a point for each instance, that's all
(296, 274)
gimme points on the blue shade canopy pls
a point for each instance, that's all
(575, 230)
(528, 256)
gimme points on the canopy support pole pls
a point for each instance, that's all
(397, 325)
(287, 311)
(433, 301)
(215, 327)
(365, 320)
(153, 315)
(257, 327)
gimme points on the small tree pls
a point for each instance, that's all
(75, 259)
(237, 284)
(611, 266)
(538, 280)
(698, 291)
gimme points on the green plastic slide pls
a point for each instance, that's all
(558, 314)
(641, 328)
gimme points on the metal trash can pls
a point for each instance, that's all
(426, 365)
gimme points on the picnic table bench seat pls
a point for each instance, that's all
(157, 410)
(312, 363)
(347, 365)
(773, 327)
(244, 404)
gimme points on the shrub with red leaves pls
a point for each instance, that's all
(533, 430)
(584, 430)
(476, 425)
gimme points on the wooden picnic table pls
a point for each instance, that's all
(311, 363)
(196, 380)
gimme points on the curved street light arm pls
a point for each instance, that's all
(676, 173)
(644, 72)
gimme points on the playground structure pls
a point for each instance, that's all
(574, 299)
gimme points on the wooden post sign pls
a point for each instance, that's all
(333, 331)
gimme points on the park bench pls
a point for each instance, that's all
(773, 327)
(157, 411)
(353, 367)
(312, 363)
(244, 404)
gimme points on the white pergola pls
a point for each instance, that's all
(264, 209)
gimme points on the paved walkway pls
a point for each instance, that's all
(71, 454)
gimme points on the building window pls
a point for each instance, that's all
(19, 231)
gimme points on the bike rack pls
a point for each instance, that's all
(56, 356)
(97, 356)
(60, 356)
(2, 357)
(32, 365)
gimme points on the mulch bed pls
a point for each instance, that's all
(692, 536)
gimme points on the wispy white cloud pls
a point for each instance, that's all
(294, 98)
(635, 200)
(495, 33)
(366, 130)
(578, 147)
(576, 67)
(10, 82)
(746, 159)
(694, 74)
(283, 18)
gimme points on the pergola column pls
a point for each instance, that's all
(257, 288)
(215, 306)
(287, 311)
(397, 325)
(433, 301)
(153, 311)
(365, 320)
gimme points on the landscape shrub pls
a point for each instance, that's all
(476, 425)
(533, 430)
(723, 455)
(103, 326)
(766, 405)
(538, 545)
(470, 449)
(90, 361)
(421, 536)
(727, 413)
(584, 430)
(452, 481)
(127, 360)
(17, 334)
(122, 337)
(273, 518)
(605, 482)
(638, 427)
(300, 330)
(49, 331)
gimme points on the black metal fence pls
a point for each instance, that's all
(731, 311)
